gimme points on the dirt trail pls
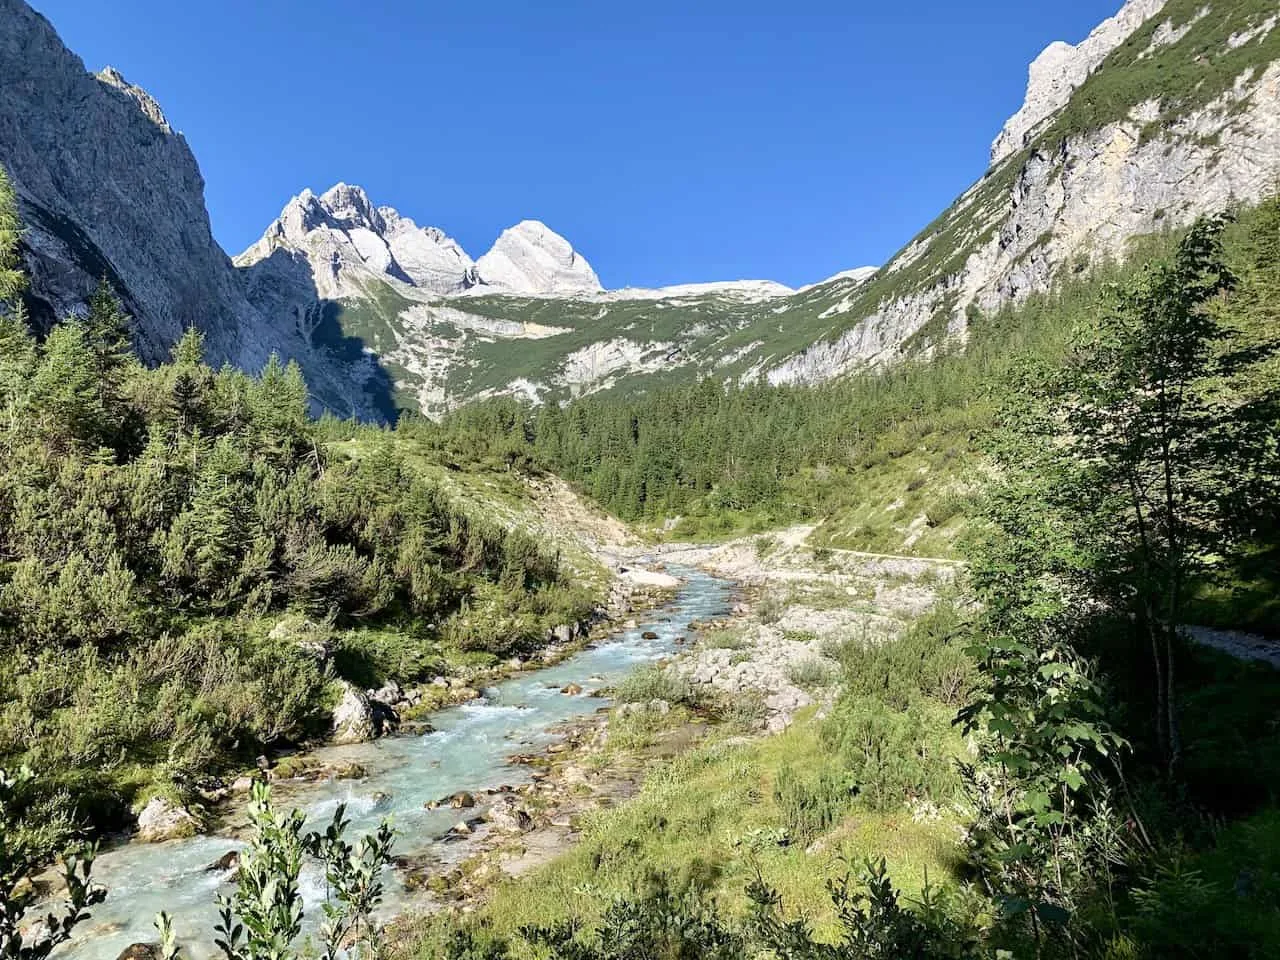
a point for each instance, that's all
(1237, 643)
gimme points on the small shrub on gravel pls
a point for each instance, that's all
(727, 639)
(744, 709)
(656, 683)
(813, 672)
(771, 608)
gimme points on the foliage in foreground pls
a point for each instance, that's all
(262, 920)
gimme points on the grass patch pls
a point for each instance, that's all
(716, 811)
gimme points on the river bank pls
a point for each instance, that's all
(744, 690)
(467, 750)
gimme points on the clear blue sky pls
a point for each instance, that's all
(668, 141)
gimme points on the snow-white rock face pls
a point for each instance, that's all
(750, 290)
(531, 259)
(1061, 68)
(858, 275)
(348, 241)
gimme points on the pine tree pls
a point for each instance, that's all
(12, 281)
(17, 361)
(107, 331)
(67, 390)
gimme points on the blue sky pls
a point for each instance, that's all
(669, 141)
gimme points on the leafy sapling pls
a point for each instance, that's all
(263, 918)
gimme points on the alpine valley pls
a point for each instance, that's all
(928, 611)
(1166, 111)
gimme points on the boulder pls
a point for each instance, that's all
(357, 718)
(571, 689)
(649, 578)
(562, 634)
(353, 720)
(509, 817)
(462, 800)
(140, 951)
(225, 863)
(163, 819)
(389, 693)
(648, 635)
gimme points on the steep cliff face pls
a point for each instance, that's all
(106, 188)
(1148, 124)
(1061, 68)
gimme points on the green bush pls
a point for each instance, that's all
(812, 673)
(811, 802)
(946, 506)
(656, 683)
(928, 661)
(893, 755)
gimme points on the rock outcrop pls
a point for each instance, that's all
(1075, 195)
(107, 188)
(532, 259)
(1060, 69)
(162, 819)
(346, 242)
(359, 718)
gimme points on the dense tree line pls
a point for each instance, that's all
(713, 448)
(725, 456)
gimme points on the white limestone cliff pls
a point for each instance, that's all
(532, 259)
(1082, 201)
(1061, 68)
(347, 241)
(107, 188)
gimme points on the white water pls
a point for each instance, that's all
(468, 751)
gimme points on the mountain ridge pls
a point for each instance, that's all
(1167, 110)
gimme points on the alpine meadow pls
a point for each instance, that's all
(363, 599)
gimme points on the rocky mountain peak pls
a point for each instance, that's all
(347, 241)
(350, 207)
(146, 103)
(1061, 68)
(532, 259)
